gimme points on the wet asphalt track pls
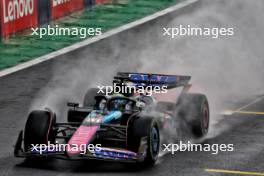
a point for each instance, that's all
(18, 90)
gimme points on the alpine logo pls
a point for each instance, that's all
(16, 9)
(59, 2)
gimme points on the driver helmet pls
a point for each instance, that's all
(120, 104)
(116, 104)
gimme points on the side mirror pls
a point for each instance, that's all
(74, 105)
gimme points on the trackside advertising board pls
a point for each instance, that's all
(102, 1)
(60, 8)
(17, 15)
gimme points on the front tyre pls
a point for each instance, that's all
(39, 129)
(146, 128)
(153, 144)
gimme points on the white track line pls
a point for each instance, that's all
(251, 103)
(230, 112)
(96, 38)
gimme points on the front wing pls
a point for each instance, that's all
(105, 153)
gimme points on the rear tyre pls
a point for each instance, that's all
(39, 129)
(89, 98)
(194, 108)
(146, 127)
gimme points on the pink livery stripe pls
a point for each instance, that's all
(82, 136)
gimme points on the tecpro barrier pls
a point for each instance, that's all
(17, 15)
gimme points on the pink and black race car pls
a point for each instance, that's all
(118, 127)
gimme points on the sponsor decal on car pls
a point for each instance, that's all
(152, 78)
(114, 153)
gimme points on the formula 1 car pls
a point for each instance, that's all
(119, 127)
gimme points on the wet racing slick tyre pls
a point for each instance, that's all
(89, 98)
(39, 129)
(194, 108)
(146, 127)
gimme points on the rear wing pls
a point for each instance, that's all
(149, 79)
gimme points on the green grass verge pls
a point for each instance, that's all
(23, 47)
